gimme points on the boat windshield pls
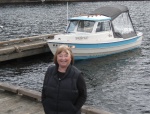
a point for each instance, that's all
(72, 26)
(80, 26)
(85, 26)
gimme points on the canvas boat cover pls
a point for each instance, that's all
(110, 11)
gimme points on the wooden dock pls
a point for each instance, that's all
(17, 100)
(15, 104)
(23, 47)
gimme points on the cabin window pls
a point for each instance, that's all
(85, 26)
(72, 26)
(103, 26)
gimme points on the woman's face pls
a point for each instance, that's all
(63, 59)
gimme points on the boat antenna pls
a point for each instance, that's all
(67, 13)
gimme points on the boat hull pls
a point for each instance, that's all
(87, 51)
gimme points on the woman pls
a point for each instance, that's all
(64, 89)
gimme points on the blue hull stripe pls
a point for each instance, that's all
(104, 45)
(91, 57)
(101, 45)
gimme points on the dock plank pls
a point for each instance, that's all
(15, 104)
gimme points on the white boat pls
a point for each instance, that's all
(107, 30)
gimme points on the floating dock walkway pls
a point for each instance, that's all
(23, 47)
(17, 100)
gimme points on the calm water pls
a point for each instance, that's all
(119, 83)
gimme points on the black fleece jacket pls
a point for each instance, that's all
(63, 93)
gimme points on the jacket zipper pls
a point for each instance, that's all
(58, 93)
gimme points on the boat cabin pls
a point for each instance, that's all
(89, 24)
(115, 19)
